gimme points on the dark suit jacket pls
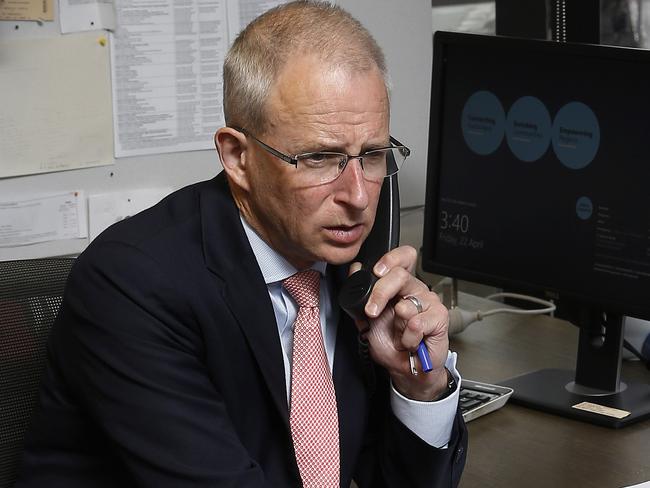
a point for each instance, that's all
(165, 370)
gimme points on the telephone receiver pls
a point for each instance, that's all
(383, 237)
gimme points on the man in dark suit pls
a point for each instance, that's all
(172, 361)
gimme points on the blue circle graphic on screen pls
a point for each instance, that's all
(483, 122)
(584, 208)
(576, 135)
(528, 129)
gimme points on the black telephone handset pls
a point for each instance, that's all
(383, 237)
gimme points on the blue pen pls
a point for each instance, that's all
(425, 359)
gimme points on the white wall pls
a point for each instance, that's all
(404, 31)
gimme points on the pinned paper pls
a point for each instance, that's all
(88, 15)
(39, 10)
(56, 106)
(107, 208)
(43, 218)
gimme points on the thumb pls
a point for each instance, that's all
(354, 267)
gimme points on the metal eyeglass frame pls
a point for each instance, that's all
(293, 160)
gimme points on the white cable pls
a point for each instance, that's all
(550, 306)
(459, 319)
(518, 296)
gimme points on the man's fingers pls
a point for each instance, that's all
(432, 322)
(397, 283)
(420, 315)
(400, 257)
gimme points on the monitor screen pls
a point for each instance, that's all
(537, 177)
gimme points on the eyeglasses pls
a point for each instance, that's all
(324, 166)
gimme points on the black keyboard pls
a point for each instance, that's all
(478, 398)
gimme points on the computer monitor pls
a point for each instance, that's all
(539, 180)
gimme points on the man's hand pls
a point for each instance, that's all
(396, 327)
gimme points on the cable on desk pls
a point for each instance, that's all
(459, 319)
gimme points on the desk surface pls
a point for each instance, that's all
(520, 447)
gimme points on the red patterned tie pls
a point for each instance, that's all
(314, 419)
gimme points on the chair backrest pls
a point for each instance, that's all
(31, 292)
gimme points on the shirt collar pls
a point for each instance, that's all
(274, 267)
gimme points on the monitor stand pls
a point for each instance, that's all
(594, 392)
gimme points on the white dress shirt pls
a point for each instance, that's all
(431, 421)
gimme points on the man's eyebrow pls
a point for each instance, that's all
(374, 146)
(321, 146)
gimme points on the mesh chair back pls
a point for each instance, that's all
(31, 292)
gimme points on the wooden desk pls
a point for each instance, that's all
(520, 447)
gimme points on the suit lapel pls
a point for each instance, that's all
(351, 392)
(228, 255)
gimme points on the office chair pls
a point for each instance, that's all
(31, 292)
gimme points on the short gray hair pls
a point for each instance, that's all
(263, 48)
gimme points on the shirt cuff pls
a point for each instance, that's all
(430, 421)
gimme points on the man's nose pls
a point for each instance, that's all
(352, 184)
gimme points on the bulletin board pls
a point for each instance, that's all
(403, 30)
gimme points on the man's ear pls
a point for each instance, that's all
(231, 146)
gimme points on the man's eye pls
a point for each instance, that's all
(319, 160)
(317, 157)
(374, 157)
